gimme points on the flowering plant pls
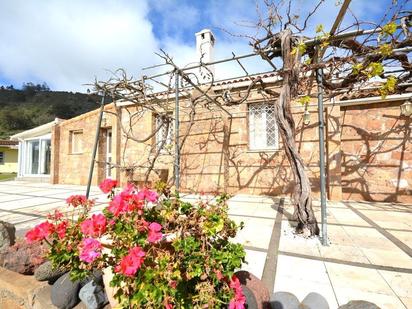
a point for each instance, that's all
(164, 252)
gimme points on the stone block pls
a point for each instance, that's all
(18, 291)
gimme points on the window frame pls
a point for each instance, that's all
(71, 140)
(2, 157)
(170, 134)
(267, 148)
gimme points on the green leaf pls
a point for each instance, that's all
(319, 28)
(300, 48)
(389, 86)
(389, 29)
(385, 49)
(374, 69)
(356, 68)
(304, 100)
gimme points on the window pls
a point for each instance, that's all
(76, 141)
(1, 157)
(165, 133)
(263, 131)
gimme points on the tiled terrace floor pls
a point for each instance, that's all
(369, 256)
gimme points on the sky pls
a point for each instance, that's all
(70, 43)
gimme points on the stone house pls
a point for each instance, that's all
(368, 147)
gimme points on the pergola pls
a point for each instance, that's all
(183, 81)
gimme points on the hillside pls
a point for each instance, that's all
(33, 106)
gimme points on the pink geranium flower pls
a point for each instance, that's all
(107, 185)
(61, 229)
(128, 190)
(118, 205)
(39, 232)
(95, 226)
(148, 195)
(90, 250)
(154, 232)
(239, 300)
(57, 215)
(132, 262)
(76, 200)
(168, 306)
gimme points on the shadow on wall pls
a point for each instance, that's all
(373, 163)
(211, 162)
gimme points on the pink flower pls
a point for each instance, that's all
(219, 275)
(135, 203)
(173, 284)
(39, 232)
(239, 300)
(168, 306)
(107, 185)
(77, 200)
(132, 262)
(142, 225)
(61, 229)
(95, 226)
(154, 232)
(148, 195)
(118, 205)
(128, 190)
(90, 250)
(57, 215)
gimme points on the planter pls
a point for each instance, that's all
(110, 291)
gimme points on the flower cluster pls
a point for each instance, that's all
(77, 200)
(154, 232)
(131, 263)
(161, 252)
(239, 300)
(107, 185)
(90, 249)
(40, 232)
(95, 226)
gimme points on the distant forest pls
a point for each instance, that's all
(35, 104)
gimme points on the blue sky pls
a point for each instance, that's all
(68, 43)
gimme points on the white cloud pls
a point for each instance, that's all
(67, 43)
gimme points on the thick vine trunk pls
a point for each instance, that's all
(302, 201)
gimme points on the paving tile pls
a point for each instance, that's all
(383, 301)
(395, 257)
(389, 219)
(401, 283)
(302, 269)
(369, 238)
(344, 253)
(357, 278)
(407, 301)
(403, 236)
(347, 216)
(256, 232)
(338, 236)
(301, 288)
(265, 211)
(255, 262)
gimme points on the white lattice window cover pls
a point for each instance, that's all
(263, 131)
(165, 133)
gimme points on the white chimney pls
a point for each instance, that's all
(205, 42)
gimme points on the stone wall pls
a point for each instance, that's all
(376, 153)
(368, 153)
